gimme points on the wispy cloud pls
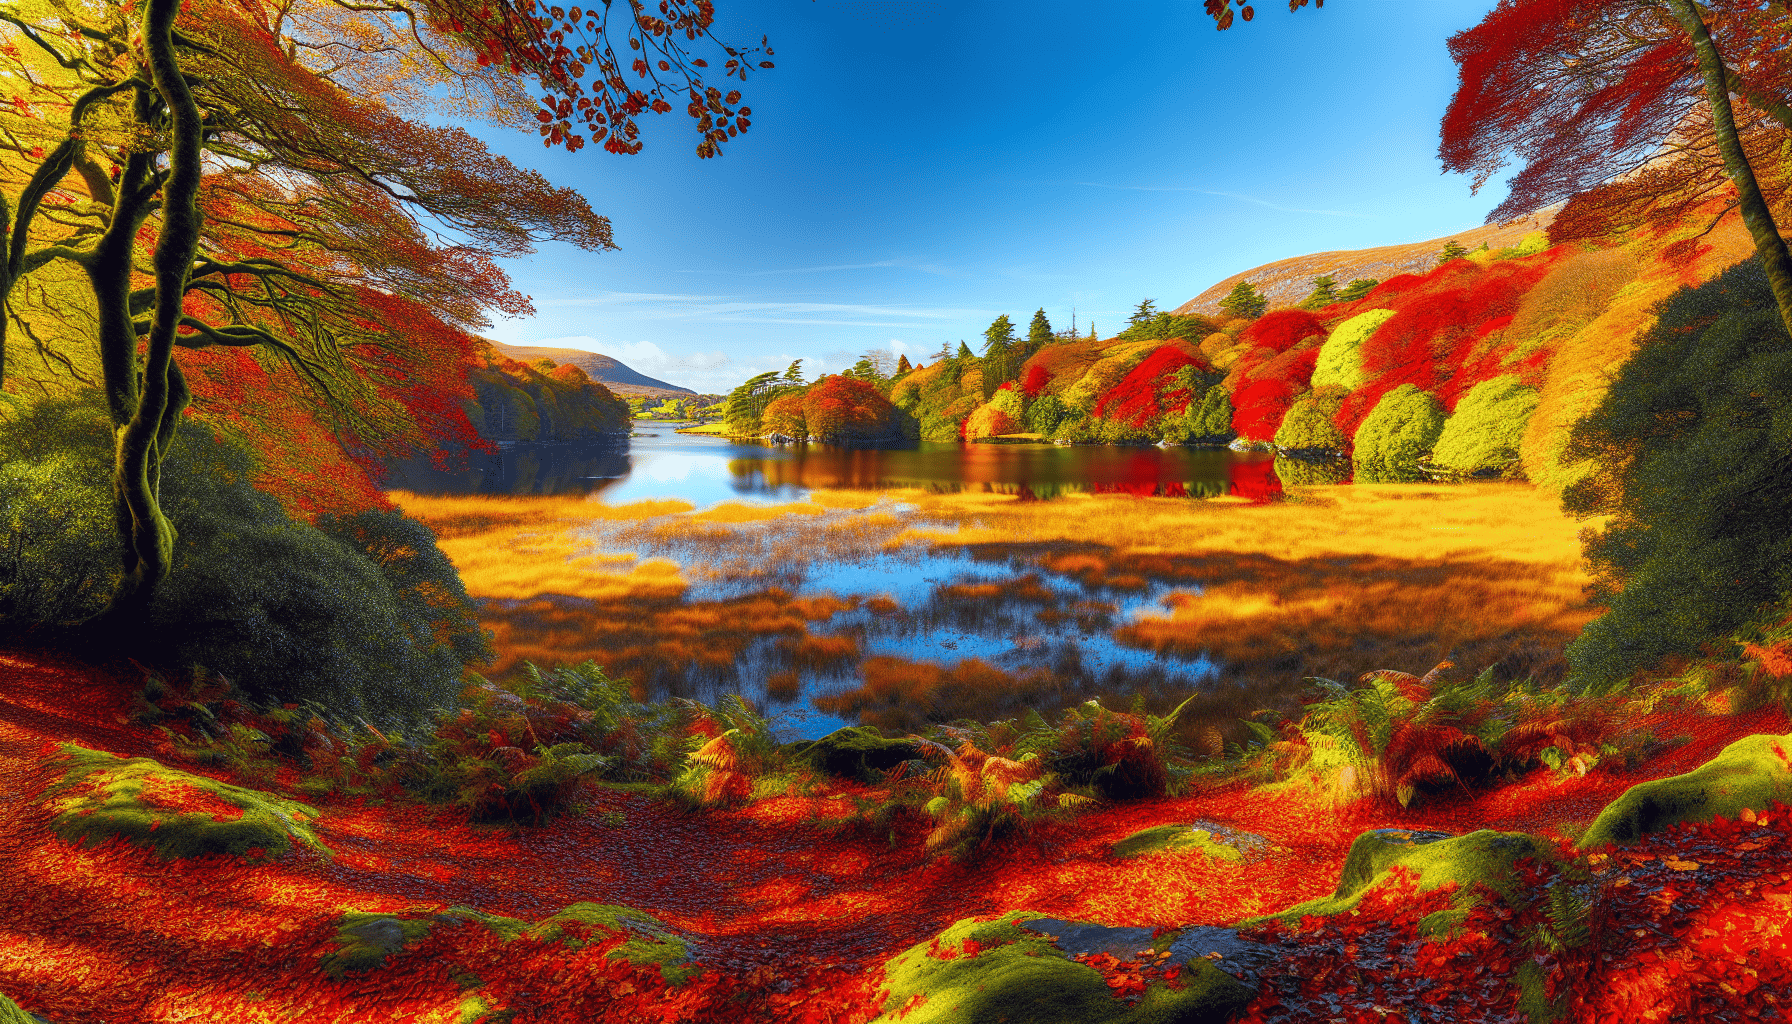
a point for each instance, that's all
(722, 309)
(936, 269)
(1228, 195)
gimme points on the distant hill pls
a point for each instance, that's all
(612, 373)
(1287, 282)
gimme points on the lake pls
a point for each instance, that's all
(899, 588)
(659, 463)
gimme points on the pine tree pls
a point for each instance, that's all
(1357, 289)
(964, 351)
(1244, 301)
(902, 365)
(1453, 250)
(1146, 313)
(1039, 332)
(794, 375)
(999, 364)
(1325, 292)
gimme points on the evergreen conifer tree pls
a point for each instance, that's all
(964, 351)
(1146, 313)
(1325, 292)
(1039, 332)
(1357, 289)
(1244, 301)
(1452, 250)
(794, 374)
(902, 365)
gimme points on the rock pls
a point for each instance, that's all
(1217, 841)
(1019, 969)
(1485, 856)
(855, 752)
(1752, 772)
(102, 796)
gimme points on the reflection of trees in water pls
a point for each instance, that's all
(1030, 472)
(571, 468)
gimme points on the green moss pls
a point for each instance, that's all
(1341, 357)
(112, 805)
(1164, 838)
(10, 1013)
(649, 942)
(1751, 772)
(856, 752)
(1020, 975)
(1484, 857)
(365, 941)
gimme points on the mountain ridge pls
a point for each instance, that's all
(1286, 282)
(609, 371)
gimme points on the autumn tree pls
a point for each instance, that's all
(1589, 93)
(292, 212)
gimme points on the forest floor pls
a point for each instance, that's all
(791, 920)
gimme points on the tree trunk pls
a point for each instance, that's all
(1770, 248)
(143, 439)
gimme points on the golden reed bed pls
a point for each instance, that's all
(1334, 582)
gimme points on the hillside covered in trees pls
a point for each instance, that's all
(1478, 367)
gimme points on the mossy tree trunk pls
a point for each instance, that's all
(146, 409)
(1770, 248)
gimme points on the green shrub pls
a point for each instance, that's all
(1341, 357)
(288, 611)
(1209, 421)
(1401, 430)
(1482, 436)
(1308, 426)
(1691, 442)
(1010, 401)
(1044, 415)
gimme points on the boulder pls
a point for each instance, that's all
(1020, 968)
(855, 752)
(1217, 841)
(1485, 857)
(1752, 773)
(178, 814)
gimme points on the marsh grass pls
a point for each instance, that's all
(1332, 583)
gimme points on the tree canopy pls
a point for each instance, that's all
(299, 204)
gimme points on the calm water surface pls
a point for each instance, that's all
(659, 463)
(934, 624)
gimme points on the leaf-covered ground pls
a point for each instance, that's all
(791, 919)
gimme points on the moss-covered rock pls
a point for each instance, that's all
(990, 971)
(1165, 838)
(178, 814)
(649, 941)
(1484, 857)
(368, 941)
(855, 752)
(1752, 772)
(10, 1013)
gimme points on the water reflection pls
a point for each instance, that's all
(1034, 471)
(659, 463)
(571, 468)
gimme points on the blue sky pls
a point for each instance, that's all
(917, 168)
